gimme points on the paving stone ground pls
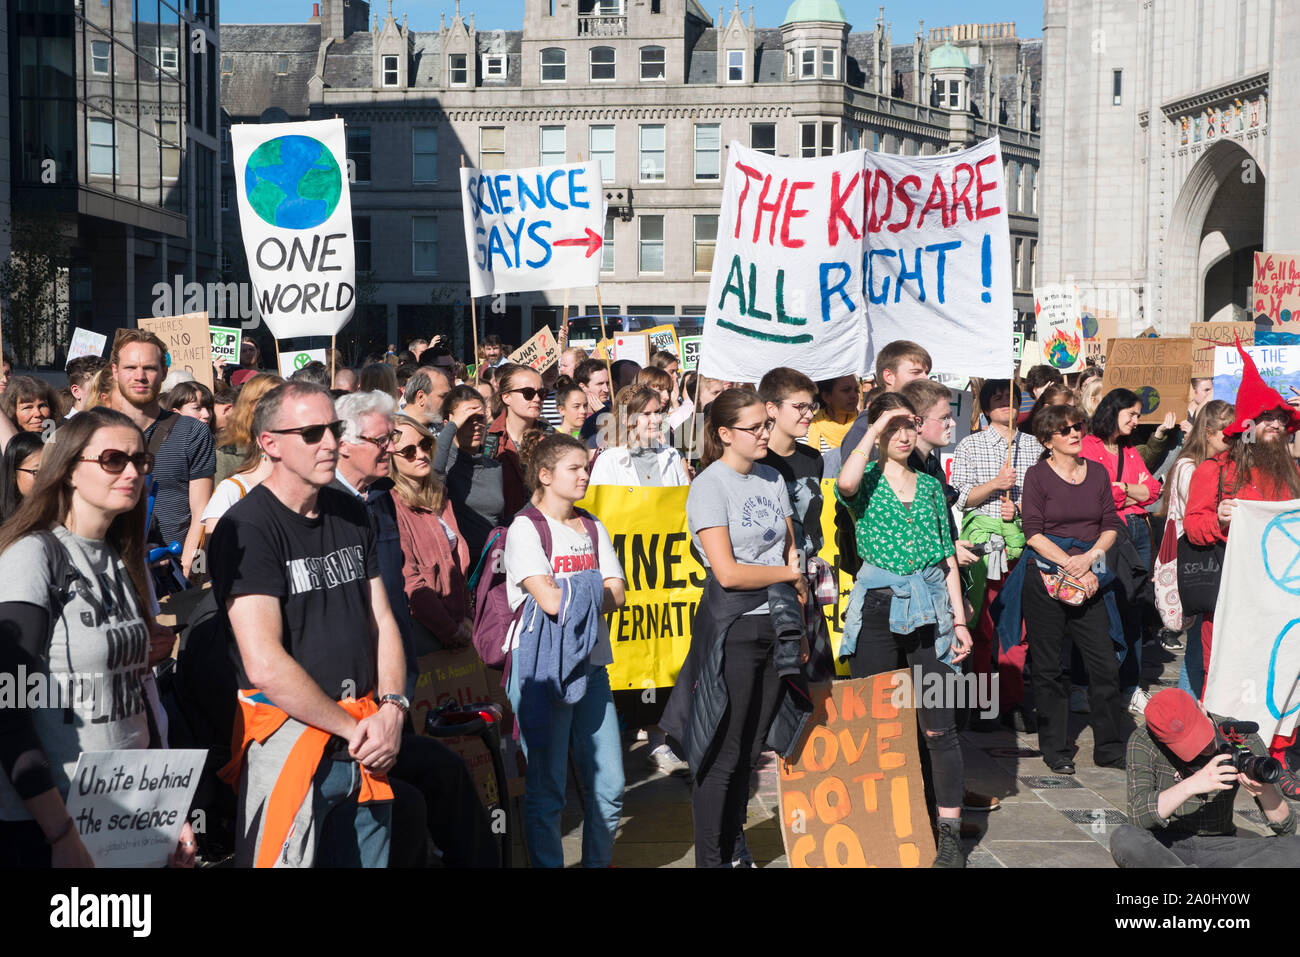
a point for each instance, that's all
(1044, 820)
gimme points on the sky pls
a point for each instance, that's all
(508, 14)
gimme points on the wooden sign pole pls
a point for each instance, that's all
(600, 308)
(564, 324)
(332, 353)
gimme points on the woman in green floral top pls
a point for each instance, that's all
(911, 613)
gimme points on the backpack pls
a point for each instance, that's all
(492, 615)
(846, 540)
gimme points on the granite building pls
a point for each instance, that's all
(654, 90)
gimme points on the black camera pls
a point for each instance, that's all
(1232, 741)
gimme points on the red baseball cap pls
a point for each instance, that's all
(242, 376)
(1175, 720)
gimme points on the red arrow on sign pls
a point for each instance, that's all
(593, 241)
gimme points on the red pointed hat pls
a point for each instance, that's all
(1255, 397)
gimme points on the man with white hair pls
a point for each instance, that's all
(424, 393)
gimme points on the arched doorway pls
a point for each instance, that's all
(1216, 226)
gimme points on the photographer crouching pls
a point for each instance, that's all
(1184, 769)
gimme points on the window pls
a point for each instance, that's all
(651, 162)
(1033, 191)
(602, 64)
(1116, 86)
(735, 66)
(829, 56)
(552, 151)
(1019, 265)
(653, 64)
(494, 67)
(359, 154)
(169, 59)
(458, 66)
(227, 65)
(1033, 264)
(762, 137)
(361, 242)
(708, 152)
(424, 154)
(810, 145)
(169, 134)
(807, 63)
(651, 257)
(100, 52)
(789, 64)
(1011, 178)
(492, 147)
(853, 139)
(424, 244)
(706, 238)
(102, 153)
(601, 145)
(553, 69)
(390, 71)
(947, 93)
(607, 250)
(225, 197)
(281, 66)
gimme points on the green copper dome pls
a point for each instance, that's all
(825, 10)
(949, 56)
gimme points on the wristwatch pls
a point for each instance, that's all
(400, 700)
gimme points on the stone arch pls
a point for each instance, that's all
(1191, 248)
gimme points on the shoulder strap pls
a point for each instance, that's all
(589, 523)
(239, 485)
(62, 573)
(535, 515)
(162, 428)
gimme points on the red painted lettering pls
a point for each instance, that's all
(838, 201)
(961, 197)
(773, 207)
(938, 199)
(750, 173)
(792, 213)
(982, 187)
(901, 192)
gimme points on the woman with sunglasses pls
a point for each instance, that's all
(72, 582)
(18, 471)
(908, 577)
(1070, 523)
(516, 407)
(474, 481)
(434, 551)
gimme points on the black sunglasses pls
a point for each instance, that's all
(311, 434)
(529, 393)
(113, 461)
(1065, 430)
(407, 452)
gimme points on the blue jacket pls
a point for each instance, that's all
(920, 598)
(1006, 610)
(554, 654)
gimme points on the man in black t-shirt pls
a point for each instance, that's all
(295, 573)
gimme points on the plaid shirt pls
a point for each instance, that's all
(1151, 771)
(979, 458)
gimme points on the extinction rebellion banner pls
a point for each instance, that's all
(296, 216)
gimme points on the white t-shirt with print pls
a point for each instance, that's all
(571, 552)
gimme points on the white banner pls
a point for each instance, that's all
(295, 213)
(786, 288)
(536, 228)
(86, 343)
(939, 263)
(1255, 662)
(1059, 326)
(291, 360)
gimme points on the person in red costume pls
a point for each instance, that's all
(1257, 466)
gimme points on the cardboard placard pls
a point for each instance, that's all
(539, 353)
(86, 343)
(663, 338)
(690, 353)
(1097, 329)
(634, 346)
(1211, 334)
(1158, 370)
(292, 361)
(226, 341)
(456, 676)
(1059, 327)
(603, 350)
(853, 795)
(188, 343)
(1276, 290)
(129, 806)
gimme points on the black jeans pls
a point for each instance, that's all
(721, 795)
(22, 845)
(1136, 847)
(455, 816)
(1047, 623)
(880, 650)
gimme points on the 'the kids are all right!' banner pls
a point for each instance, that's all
(537, 228)
(295, 212)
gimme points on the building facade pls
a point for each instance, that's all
(1164, 154)
(655, 91)
(114, 134)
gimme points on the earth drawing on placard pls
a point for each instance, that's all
(1090, 325)
(1281, 546)
(1149, 396)
(1062, 350)
(293, 182)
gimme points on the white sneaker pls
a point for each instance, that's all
(642, 734)
(1137, 704)
(665, 760)
(1079, 701)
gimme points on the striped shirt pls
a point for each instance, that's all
(550, 412)
(188, 454)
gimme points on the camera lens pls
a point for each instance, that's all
(1260, 768)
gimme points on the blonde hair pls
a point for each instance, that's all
(427, 493)
(239, 426)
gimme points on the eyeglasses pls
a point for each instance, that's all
(528, 392)
(754, 430)
(311, 434)
(407, 452)
(940, 418)
(113, 461)
(1065, 430)
(34, 471)
(804, 408)
(381, 442)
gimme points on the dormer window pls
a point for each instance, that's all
(458, 67)
(494, 66)
(390, 71)
(735, 66)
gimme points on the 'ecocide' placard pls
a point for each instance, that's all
(853, 795)
(129, 806)
(1159, 371)
(225, 343)
(690, 352)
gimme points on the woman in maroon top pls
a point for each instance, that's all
(435, 552)
(516, 407)
(1069, 497)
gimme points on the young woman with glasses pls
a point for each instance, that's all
(434, 551)
(516, 407)
(18, 470)
(903, 535)
(72, 586)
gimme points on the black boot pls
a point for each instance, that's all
(949, 851)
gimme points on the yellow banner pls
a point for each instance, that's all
(651, 634)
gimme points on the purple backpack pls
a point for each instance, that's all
(492, 614)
